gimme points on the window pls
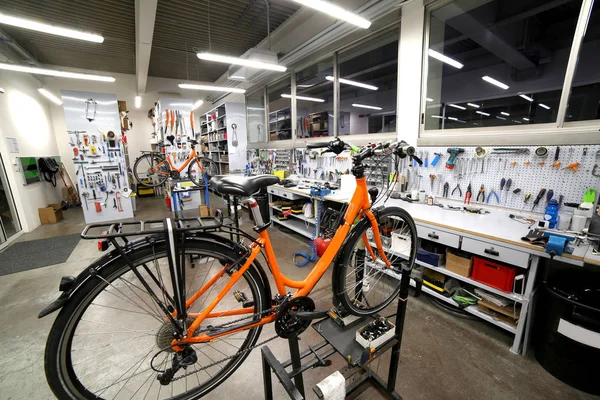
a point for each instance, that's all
(255, 111)
(498, 62)
(314, 100)
(584, 103)
(368, 86)
(280, 112)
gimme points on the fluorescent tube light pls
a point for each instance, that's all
(289, 96)
(453, 118)
(517, 122)
(305, 86)
(336, 12)
(211, 88)
(238, 77)
(473, 105)
(499, 117)
(483, 113)
(353, 83)
(455, 106)
(444, 59)
(505, 113)
(138, 101)
(197, 104)
(51, 29)
(366, 106)
(1, 90)
(544, 106)
(241, 61)
(525, 119)
(429, 99)
(52, 72)
(526, 97)
(495, 82)
(437, 116)
(49, 96)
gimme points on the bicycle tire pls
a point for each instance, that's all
(353, 253)
(209, 167)
(151, 159)
(60, 373)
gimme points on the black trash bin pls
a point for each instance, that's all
(567, 329)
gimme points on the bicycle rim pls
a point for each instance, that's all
(144, 172)
(365, 285)
(114, 335)
(209, 168)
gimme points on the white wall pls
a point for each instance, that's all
(24, 115)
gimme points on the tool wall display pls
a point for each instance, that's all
(95, 137)
(507, 176)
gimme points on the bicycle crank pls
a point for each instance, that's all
(288, 321)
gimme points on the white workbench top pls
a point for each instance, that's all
(496, 225)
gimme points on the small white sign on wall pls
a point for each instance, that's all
(13, 146)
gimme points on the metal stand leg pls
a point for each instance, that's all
(296, 363)
(400, 315)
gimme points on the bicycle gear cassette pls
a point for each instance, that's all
(287, 325)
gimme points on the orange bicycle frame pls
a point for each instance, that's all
(193, 155)
(359, 207)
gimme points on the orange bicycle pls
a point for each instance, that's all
(175, 312)
(153, 169)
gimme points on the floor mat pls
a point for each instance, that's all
(23, 256)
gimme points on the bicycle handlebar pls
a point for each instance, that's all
(401, 149)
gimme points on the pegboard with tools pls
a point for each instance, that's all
(314, 164)
(510, 172)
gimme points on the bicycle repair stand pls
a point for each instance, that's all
(342, 341)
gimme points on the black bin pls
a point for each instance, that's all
(567, 328)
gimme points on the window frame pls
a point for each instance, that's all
(544, 133)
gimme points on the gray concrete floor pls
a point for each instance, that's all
(443, 357)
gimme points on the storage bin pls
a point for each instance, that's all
(458, 264)
(430, 258)
(493, 274)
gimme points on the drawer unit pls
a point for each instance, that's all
(448, 239)
(495, 252)
(285, 193)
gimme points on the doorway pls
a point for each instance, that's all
(9, 219)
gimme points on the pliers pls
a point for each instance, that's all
(446, 188)
(493, 192)
(459, 191)
(481, 194)
(468, 194)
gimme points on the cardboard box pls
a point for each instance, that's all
(205, 211)
(51, 214)
(460, 265)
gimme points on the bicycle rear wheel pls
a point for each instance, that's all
(149, 171)
(111, 337)
(196, 174)
(364, 285)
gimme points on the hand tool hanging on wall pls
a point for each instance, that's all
(454, 151)
(234, 137)
(492, 192)
(468, 195)
(436, 159)
(90, 109)
(481, 194)
(509, 150)
(98, 207)
(85, 196)
(538, 198)
(118, 199)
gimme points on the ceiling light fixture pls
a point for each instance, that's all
(52, 72)
(50, 96)
(544, 106)
(499, 117)
(473, 105)
(495, 82)
(51, 29)
(517, 122)
(437, 116)
(445, 59)
(505, 113)
(429, 99)
(241, 61)
(138, 101)
(455, 106)
(197, 104)
(336, 12)
(526, 97)
(304, 86)
(211, 88)
(289, 96)
(525, 119)
(453, 118)
(483, 113)
(353, 83)
(366, 106)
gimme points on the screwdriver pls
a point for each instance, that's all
(526, 200)
(502, 183)
(538, 198)
(549, 195)
(508, 185)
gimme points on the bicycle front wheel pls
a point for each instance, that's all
(208, 168)
(151, 170)
(111, 340)
(362, 282)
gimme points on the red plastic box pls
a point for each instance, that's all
(493, 274)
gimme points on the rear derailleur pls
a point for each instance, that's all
(181, 359)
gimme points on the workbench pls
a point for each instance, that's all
(494, 236)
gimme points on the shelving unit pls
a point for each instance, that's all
(295, 225)
(280, 123)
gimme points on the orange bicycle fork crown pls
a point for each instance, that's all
(358, 207)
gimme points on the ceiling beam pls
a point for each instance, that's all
(145, 16)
